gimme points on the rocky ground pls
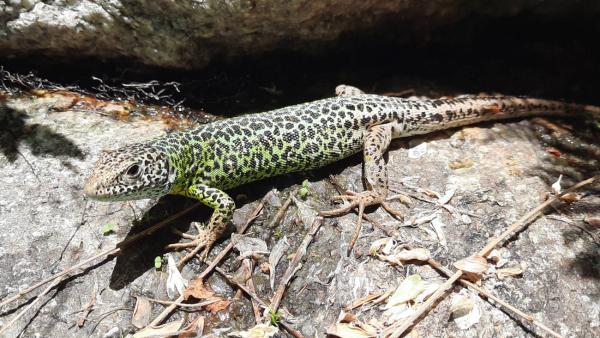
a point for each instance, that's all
(491, 175)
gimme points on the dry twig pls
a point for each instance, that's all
(107, 253)
(294, 264)
(255, 298)
(28, 307)
(163, 315)
(399, 328)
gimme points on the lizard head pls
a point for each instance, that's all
(133, 172)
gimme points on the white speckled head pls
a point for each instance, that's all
(133, 172)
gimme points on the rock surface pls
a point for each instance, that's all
(498, 171)
(190, 33)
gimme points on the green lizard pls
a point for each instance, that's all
(204, 162)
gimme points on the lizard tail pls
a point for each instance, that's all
(465, 110)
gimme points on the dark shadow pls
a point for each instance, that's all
(139, 257)
(40, 139)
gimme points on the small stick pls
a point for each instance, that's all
(89, 306)
(281, 212)
(523, 221)
(28, 307)
(293, 267)
(183, 305)
(396, 330)
(255, 298)
(163, 315)
(438, 266)
(107, 253)
(247, 263)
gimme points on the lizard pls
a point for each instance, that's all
(205, 161)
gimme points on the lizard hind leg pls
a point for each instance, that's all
(377, 140)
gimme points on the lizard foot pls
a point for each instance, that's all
(204, 241)
(358, 200)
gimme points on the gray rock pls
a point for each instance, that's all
(190, 33)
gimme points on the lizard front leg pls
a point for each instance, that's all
(208, 234)
(377, 140)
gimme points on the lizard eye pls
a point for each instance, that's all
(133, 171)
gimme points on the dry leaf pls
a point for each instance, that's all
(258, 331)
(276, 253)
(556, 185)
(418, 150)
(175, 282)
(362, 301)
(346, 330)
(459, 164)
(247, 246)
(305, 212)
(198, 290)
(553, 151)
(383, 245)
(465, 311)
(472, 264)
(217, 306)
(438, 227)
(195, 329)
(509, 272)
(408, 290)
(593, 221)
(346, 317)
(570, 197)
(166, 330)
(142, 313)
(418, 254)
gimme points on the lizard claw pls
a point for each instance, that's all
(204, 240)
(358, 200)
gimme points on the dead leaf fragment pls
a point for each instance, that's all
(277, 252)
(472, 264)
(166, 330)
(196, 289)
(509, 272)
(408, 290)
(142, 313)
(556, 185)
(258, 331)
(382, 245)
(175, 282)
(194, 329)
(553, 151)
(593, 221)
(459, 164)
(465, 311)
(344, 330)
(248, 246)
(570, 197)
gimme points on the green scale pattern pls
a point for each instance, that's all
(227, 153)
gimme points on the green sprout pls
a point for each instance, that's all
(108, 228)
(158, 262)
(274, 317)
(278, 233)
(303, 191)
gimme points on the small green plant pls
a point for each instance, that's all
(274, 317)
(303, 192)
(158, 262)
(108, 228)
(278, 233)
